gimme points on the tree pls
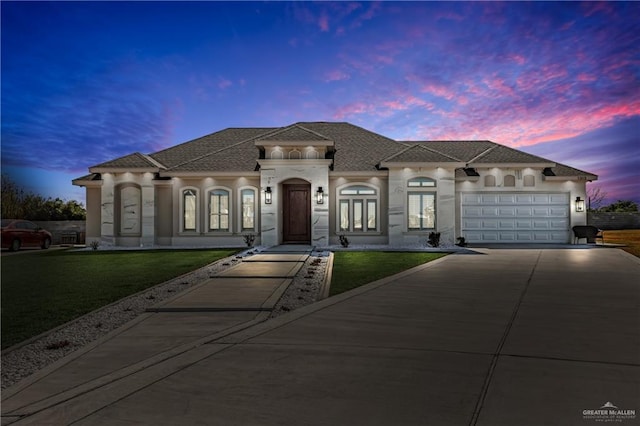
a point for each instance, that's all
(596, 197)
(18, 204)
(621, 206)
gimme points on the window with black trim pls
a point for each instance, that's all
(248, 201)
(189, 212)
(358, 209)
(219, 210)
(421, 204)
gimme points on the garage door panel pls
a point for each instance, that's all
(511, 217)
(559, 211)
(507, 199)
(489, 212)
(559, 199)
(524, 211)
(524, 199)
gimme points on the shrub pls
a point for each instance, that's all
(434, 239)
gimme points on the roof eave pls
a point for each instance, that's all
(588, 178)
(509, 165)
(263, 143)
(124, 169)
(208, 173)
(448, 165)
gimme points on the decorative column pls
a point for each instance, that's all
(148, 211)
(107, 210)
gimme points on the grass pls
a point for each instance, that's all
(42, 290)
(629, 237)
(352, 269)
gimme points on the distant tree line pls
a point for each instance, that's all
(19, 204)
(596, 203)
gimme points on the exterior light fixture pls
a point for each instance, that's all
(267, 195)
(320, 196)
(579, 204)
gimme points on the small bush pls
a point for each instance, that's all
(434, 239)
(344, 241)
(249, 239)
(94, 244)
(461, 242)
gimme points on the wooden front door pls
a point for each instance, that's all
(296, 218)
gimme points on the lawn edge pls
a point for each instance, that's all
(68, 323)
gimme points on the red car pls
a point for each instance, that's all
(18, 233)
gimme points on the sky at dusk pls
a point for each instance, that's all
(86, 82)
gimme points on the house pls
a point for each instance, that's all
(313, 181)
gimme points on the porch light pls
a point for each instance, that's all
(267, 195)
(320, 196)
(579, 204)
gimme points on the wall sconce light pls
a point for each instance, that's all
(267, 195)
(320, 196)
(579, 204)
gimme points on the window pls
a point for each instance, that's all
(421, 205)
(509, 180)
(358, 209)
(421, 182)
(130, 210)
(312, 154)
(248, 200)
(489, 180)
(219, 210)
(189, 202)
(421, 211)
(529, 180)
(276, 154)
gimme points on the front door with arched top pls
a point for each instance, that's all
(296, 218)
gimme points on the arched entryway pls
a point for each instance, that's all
(296, 212)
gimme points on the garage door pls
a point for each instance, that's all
(515, 218)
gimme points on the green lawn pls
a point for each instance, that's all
(352, 269)
(44, 289)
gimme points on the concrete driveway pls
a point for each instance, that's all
(503, 337)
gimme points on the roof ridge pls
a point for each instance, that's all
(483, 153)
(439, 152)
(311, 131)
(397, 153)
(151, 160)
(218, 151)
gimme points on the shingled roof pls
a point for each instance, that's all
(354, 150)
(131, 161)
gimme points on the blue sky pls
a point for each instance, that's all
(85, 82)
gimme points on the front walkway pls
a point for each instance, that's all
(236, 298)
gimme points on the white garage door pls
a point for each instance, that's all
(515, 218)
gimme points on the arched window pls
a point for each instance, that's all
(248, 209)
(529, 180)
(295, 155)
(219, 210)
(130, 209)
(509, 180)
(421, 204)
(189, 209)
(489, 180)
(358, 209)
(276, 154)
(312, 154)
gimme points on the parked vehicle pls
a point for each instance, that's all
(17, 233)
